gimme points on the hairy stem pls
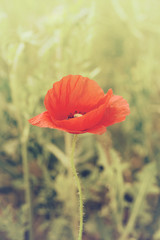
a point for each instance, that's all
(73, 188)
(79, 188)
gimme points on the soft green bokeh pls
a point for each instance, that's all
(116, 43)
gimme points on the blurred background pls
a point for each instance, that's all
(116, 43)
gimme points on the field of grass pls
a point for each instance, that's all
(116, 43)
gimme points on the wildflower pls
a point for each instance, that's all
(77, 105)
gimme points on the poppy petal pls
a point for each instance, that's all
(116, 111)
(97, 130)
(72, 93)
(88, 121)
(42, 120)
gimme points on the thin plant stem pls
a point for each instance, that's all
(74, 207)
(79, 188)
(24, 136)
(27, 180)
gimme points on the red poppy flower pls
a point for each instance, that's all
(78, 105)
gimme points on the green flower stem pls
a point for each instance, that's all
(79, 188)
(27, 180)
(73, 209)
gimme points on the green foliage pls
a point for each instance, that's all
(117, 44)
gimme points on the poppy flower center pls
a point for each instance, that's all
(75, 115)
